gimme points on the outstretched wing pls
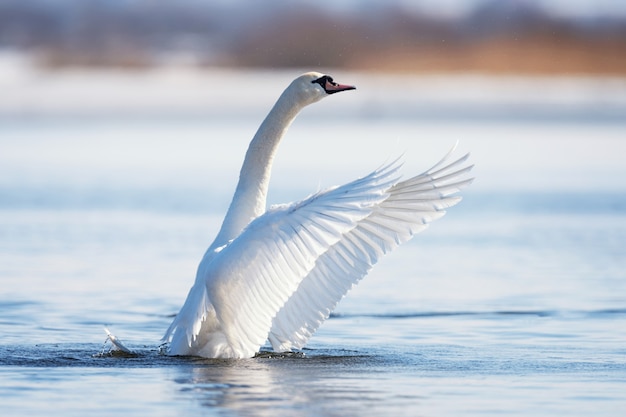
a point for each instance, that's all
(407, 210)
(253, 277)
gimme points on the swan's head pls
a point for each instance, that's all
(314, 86)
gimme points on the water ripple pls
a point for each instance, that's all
(509, 313)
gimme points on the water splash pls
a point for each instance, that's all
(117, 348)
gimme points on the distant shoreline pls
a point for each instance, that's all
(489, 37)
(524, 57)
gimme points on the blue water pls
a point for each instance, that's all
(513, 304)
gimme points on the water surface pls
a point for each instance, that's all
(513, 304)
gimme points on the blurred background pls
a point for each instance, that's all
(409, 36)
(123, 125)
(204, 66)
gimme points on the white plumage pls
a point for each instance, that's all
(278, 274)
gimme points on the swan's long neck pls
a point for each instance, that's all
(250, 196)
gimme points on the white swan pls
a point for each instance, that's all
(277, 274)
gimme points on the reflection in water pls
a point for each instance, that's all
(318, 385)
(234, 385)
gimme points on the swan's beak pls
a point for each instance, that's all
(332, 87)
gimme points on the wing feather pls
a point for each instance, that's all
(408, 208)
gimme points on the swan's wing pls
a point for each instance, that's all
(253, 277)
(410, 206)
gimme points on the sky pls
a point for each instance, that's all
(443, 8)
(457, 8)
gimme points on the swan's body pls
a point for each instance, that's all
(277, 274)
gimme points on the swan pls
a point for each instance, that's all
(276, 274)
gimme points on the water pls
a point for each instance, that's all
(512, 304)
